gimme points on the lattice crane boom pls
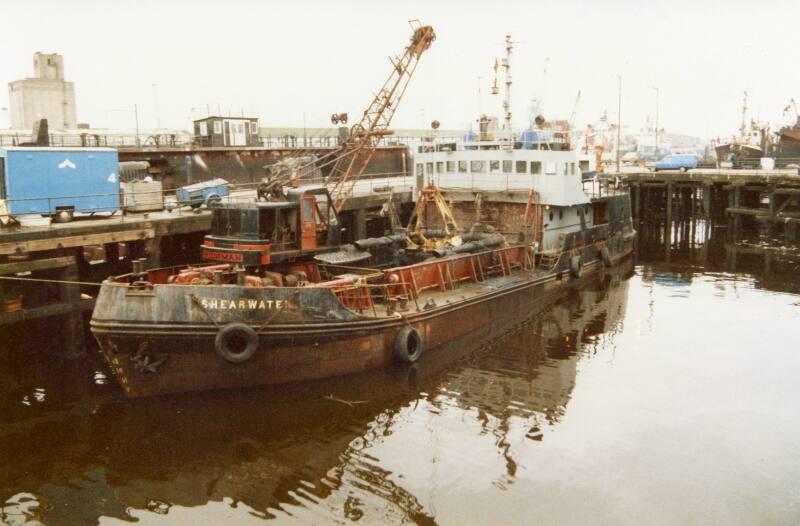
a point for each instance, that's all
(352, 158)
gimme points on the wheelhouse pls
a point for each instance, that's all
(256, 234)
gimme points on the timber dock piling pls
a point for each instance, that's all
(58, 263)
(770, 197)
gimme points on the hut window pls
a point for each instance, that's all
(217, 127)
(550, 168)
(507, 165)
(462, 167)
(429, 168)
(439, 167)
(420, 169)
(494, 166)
(254, 127)
(451, 167)
(203, 129)
(522, 167)
(536, 167)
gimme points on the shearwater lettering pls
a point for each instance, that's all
(220, 304)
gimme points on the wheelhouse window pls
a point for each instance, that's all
(462, 167)
(566, 168)
(420, 169)
(439, 167)
(507, 166)
(267, 223)
(477, 167)
(429, 168)
(572, 168)
(536, 167)
(217, 127)
(308, 210)
(203, 129)
(451, 167)
(494, 166)
(522, 167)
(550, 168)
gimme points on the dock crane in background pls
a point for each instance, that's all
(574, 110)
(349, 161)
(792, 106)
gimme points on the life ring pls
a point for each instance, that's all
(606, 256)
(408, 345)
(575, 266)
(236, 342)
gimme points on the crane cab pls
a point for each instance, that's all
(263, 234)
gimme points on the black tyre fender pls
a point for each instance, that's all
(236, 342)
(575, 266)
(606, 256)
(408, 345)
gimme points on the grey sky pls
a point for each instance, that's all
(286, 62)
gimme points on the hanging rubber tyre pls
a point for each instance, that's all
(408, 345)
(606, 256)
(576, 266)
(236, 342)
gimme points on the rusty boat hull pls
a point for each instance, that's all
(170, 346)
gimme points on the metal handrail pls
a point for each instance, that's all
(371, 183)
(384, 287)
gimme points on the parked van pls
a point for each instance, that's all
(681, 162)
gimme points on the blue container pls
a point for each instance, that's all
(37, 180)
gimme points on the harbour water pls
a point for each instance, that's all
(664, 392)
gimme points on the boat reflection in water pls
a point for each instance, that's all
(305, 451)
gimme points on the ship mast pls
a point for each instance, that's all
(507, 96)
(744, 116)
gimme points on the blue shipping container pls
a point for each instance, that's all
(36, 180)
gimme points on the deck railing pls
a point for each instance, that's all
(371, 184)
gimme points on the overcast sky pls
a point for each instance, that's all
(296, 62)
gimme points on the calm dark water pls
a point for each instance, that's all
(664, 393)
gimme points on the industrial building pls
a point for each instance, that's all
(46, 95)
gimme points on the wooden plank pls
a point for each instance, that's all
(52, 309)
(36, 264)
(748, 211)
(37, 245)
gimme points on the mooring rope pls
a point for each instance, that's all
(59, 281)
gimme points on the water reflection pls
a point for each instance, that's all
(73, 450)
(699, 247)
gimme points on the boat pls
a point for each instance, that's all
(279, 298)
(746, 150)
